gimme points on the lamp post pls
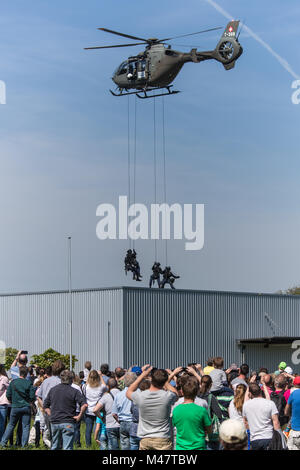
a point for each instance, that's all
(70, 295)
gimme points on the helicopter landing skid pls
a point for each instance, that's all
(169, 92)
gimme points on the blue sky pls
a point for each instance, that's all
(231, 138)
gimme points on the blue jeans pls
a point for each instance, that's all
(103, 442)
(125, 435)
(77, 434)
(89, 423)
(23, 414)
(260, 444)
(134, 442)
(113, 436)
(3, 414)
(62, 432)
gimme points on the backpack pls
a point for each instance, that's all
(215, 424)
(280, 402)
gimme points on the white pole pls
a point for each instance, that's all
(70, 297)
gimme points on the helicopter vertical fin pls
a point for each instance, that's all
(231, 29)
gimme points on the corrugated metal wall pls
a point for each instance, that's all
(39, 321)
(170, 328)
(161, 327)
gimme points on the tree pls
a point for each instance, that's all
(291, 291)
(47, 358)
(10, 356)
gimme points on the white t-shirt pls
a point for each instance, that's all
(258, 413)
(198, 401)
(93, 395)
(234, 413)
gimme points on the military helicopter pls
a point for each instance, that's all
(157, 66)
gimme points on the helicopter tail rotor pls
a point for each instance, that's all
(228, 49)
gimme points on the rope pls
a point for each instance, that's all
(165, 173)
(134, 158)
(154, 164)
(128, 155)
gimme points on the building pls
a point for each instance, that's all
(125, 326)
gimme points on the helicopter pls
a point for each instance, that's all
(157, 66)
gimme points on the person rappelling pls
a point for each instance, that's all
(168, 278)
(155, 276)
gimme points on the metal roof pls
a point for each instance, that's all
(163, 291)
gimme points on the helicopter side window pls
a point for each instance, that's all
(141, 68)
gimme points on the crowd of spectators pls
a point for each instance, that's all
(146, 408)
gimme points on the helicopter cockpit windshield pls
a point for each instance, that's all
(122, 69)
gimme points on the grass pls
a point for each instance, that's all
(42, 447)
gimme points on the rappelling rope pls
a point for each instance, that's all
(154, 165)
(128, 155)
(134, 158)
(164, 171)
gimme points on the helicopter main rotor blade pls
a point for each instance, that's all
(191, 34)
(116, 45)
(122, 34)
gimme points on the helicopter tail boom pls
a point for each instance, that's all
(228, 49)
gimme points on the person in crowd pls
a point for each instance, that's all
(87, 370)
(104, 370)
(20, 361)
(218, 375)
(278, 397)
(236, 405)
(100, 434)
(233, 434)
(268, 381)
(4, 403)
(121, 411)
(134, 439)
(93, 391)
(293, 409)
(119, 373)
(51, 381)
(60, 405)
(192, 422)
(81, 377)
(76, 385)
(260, 417)
(154, 405)
(215, 412)
(105, 405)
(242, 377)
(35, 433)
(209, 366)
(21, 394)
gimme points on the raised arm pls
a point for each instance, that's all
(134, 386)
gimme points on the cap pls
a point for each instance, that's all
(288, 370)
(282, 365)
(137, 370)
(233, 431)
(297, 380)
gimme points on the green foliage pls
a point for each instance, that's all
(47, 358)
(10, 356)
(291, 291)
